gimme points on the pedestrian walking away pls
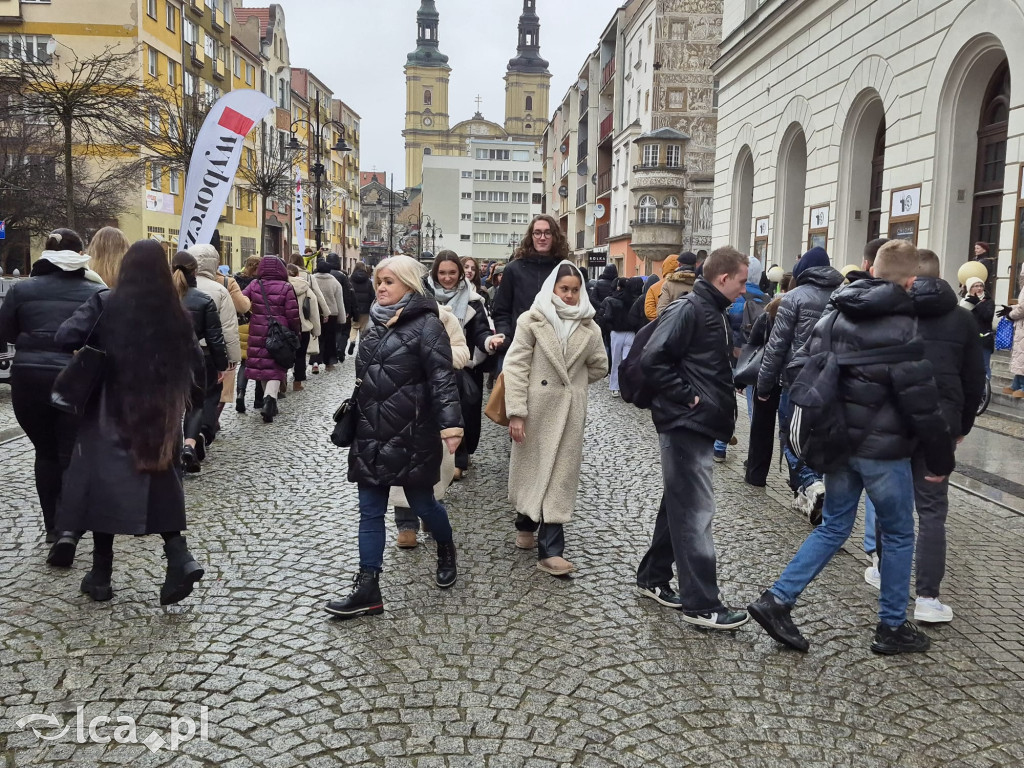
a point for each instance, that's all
(408, 401)
(558, 351)
(688, 360)
(334, 297)
(362, 289)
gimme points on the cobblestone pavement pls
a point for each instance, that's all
(509, 668)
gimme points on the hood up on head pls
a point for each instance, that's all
(670, 264)
(816, 257)
(272, 268)
(334, 260)
(207, 257)
(610, 272)
(867, 299)
(932, 297)
(756, 270)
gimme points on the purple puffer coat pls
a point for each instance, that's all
(273, 276)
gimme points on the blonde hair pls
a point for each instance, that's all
(106, 249)
(897, 261)
(406, 269)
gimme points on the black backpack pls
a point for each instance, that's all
(634, 387)
(818, 433)
(753, 308)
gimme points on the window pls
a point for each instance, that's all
(521, 176)
(647, 101)
(210, 47)
(652, 153)
(238, 198)
(648, 210)
(670, 210)
(538, 198)
(25, 47)
(521, 155)
(673, 156)
(151, 8)
(491, 175)
(172, 73)
(156, 177)
(529, 103)
(249, 200)
(493, 154)
(175, 179)
(466, 217)
(172, 127)
(170, 16)
(428, 151)
(427, 98)
(467, 174)
(467, 196)
(154, 120)
(520, 218)
(190, 84)
(190, 32)
(491, 197)
(154, 63)
(238, 65)
(464, 238)
(250, 74)
(520, 197)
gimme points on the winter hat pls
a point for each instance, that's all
(816, 257)
(971, 281)
(688, 259)
(756, 270)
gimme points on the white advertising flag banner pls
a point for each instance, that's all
(300, 214)
(215, 159)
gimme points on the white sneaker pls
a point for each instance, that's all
(815, 495)
(931, 611)
(873, 576)
(615, 393)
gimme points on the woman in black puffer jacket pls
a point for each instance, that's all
(408, 398)
(362, 287)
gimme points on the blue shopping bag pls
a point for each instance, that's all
(1004, 334)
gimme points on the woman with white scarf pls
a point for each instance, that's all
(31, 313)
(556, 353)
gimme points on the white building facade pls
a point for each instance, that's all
(843, 121)
(480, 204)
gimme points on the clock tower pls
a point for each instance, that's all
(527, 82)
(426, 95)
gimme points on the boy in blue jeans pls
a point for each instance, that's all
(890, 410)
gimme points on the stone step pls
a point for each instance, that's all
(1007, 413)
(1008, 401)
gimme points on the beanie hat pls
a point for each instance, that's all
(689, 258)
(755, 271)
(971, 281)
(816, 257)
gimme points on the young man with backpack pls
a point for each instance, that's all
(884, 410)
(687, 363)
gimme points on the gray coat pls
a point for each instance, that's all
(799, 310)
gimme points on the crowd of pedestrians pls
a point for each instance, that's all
(906, 358)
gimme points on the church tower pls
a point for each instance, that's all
(527, 82)
(426, 95)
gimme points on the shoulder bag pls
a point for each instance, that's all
(495, 409)
(76, 385)
(347, 414)
(282, 342)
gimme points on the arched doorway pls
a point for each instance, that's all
(742, 201)
(875, 198)
(990, 163)
(862, 164)
(790, 186)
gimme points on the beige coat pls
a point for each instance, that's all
(549, 390)
(676, 284)
(1017, 351)
(303, 289)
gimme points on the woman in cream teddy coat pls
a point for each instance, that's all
(556, 353)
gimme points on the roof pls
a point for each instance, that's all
(263, 14)
(664, 133)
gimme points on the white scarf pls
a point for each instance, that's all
(563, 318)
(69, 261)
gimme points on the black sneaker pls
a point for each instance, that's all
(201, 447)
(190, 460)
(906, 638)
(365, 598)
(662, 594)
(726, 618)
(772, 614)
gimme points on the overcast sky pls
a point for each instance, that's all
(358, 48)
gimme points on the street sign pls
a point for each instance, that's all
(3, 230)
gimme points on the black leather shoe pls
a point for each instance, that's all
(773, 615)
(364, 599)
(906, 638)
(240, 404)
(269, 409)
(190, 459)
(446, 568)
(62, 553)
(182, 572)
(201, 443)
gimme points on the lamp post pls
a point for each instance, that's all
(402, 202)
(436, 233)
(316, 130)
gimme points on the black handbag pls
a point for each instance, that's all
(282, 342)
(345, 417)
(748, 365)
(76, 385)
(469, 390)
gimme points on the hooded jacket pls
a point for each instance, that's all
(668, 266)
(689, 355)
(889, 407)
(208, 281)
(605, 285)
(282, 304)
(206, 324)
(676, 285)
(798, 312)
(408, 399)
(362, 289)
(953, 347)
(331, 291)
(303, 286)
(520, 282)
(613, 314)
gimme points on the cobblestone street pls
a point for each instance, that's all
(510, 668)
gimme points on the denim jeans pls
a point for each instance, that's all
(682, 531)
(891, 486)
(987, 354)
(800, 475)
(622, 342)
(869, 525)
(1017, 384)
(373, 506)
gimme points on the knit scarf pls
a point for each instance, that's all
(383, 315)
(456, 299)
(564, 319)
(69, 261)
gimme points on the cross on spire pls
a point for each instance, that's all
(478, 102)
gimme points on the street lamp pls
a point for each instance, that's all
(436, 233)
(316, 130)
(513, 243)
(402, 202)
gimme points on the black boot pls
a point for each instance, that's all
(269, 409)
(351, 347)
(364, 599)
(182, 572)
(62, 553)
(96, 583)
(446, 570)
(190, 459)
(240, 404)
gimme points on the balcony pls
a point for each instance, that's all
(196, 6)
(582, 150)
(602, 233)
(606, 127)
(564, 169)
(581, 196)
(604, 181)
(218, 69)
(659, 167)
(657, 239)
(584, 103)
(607, 73)
(217, 20)
(196, 54)
(580, 239)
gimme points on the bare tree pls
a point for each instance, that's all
(92, 106)
(173, 140)
(266, 171)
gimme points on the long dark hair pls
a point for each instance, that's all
(476, 272)
(559, 245)
(441, 258)
(150, 348)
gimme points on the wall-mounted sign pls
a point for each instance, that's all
(761, 227)
(905, 202)
(819, 217)
(817, 230)
(159, 202)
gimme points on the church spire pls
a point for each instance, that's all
(427, 53)
(528, 59)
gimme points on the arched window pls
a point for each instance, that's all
(990, 167)
(529, 103)
(428, 151)
(647, 212)
(670, 210)
(427, 98)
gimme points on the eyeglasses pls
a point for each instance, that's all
(542, 233)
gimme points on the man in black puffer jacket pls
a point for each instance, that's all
(351, 308)
(953, 347)
(688, 359)
(890, 409)
(362, 290)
